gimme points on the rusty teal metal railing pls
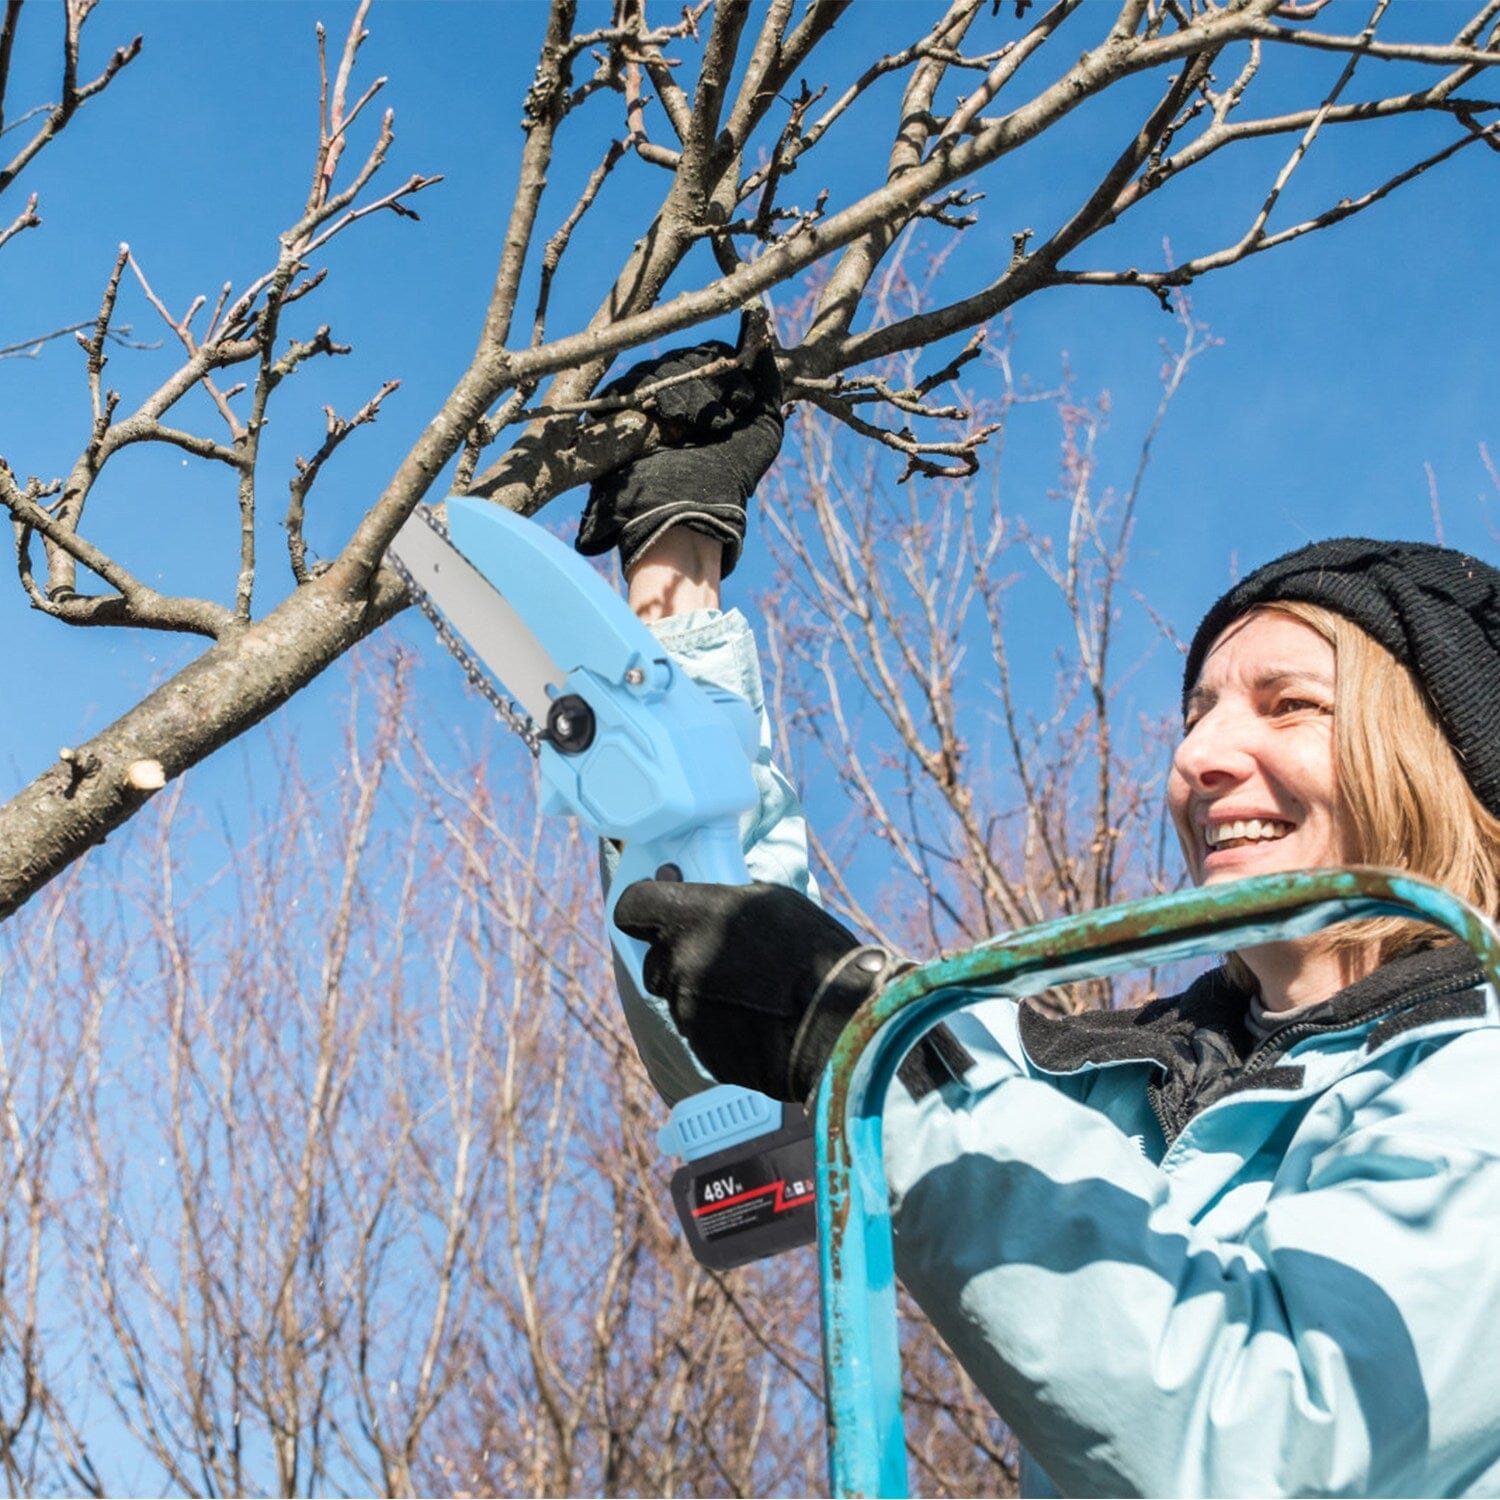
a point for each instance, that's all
(861, 1357)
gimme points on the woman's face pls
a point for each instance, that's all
(1252, 789)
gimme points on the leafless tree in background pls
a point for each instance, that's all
(45, 1054)
(715, 115)
(352, 1187)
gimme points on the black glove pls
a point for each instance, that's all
(759, 979)
(723, 432)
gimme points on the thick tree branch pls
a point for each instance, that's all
(755, 92)
(227, 690)
(702, 164)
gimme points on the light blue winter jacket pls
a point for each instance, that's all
(1299, 1295)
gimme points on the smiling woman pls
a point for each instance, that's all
(1309, 743)
(1235, 1241)
(1252, 789)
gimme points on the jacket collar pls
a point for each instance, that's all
(1200, 1041)
(1415, 988)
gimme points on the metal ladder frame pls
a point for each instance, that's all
(861, 1355)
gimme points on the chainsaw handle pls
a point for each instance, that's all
(710, 852)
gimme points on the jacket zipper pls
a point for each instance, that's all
(1275, 1046)
(1264, 1053)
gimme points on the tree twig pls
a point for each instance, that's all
(337, 429)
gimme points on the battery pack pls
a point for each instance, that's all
(746, 1191)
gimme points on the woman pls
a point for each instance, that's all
(1237, 1241)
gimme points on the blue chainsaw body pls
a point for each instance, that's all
(667, 772)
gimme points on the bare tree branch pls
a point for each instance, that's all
(339, 428)
(30, 348)
(28, 218)
(74, 94)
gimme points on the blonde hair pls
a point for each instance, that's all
(1405, 800)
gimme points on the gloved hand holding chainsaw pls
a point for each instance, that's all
(760, 980)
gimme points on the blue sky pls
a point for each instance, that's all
(1349, 360)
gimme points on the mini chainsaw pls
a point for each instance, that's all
(645, 757)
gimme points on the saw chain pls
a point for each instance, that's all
(509, 713)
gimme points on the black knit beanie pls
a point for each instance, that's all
(1436, 611)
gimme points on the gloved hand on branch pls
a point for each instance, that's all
(723, 431)
(759, 979)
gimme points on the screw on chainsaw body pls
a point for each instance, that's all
(570, 725)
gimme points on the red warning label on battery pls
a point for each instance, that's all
(737, 1197)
